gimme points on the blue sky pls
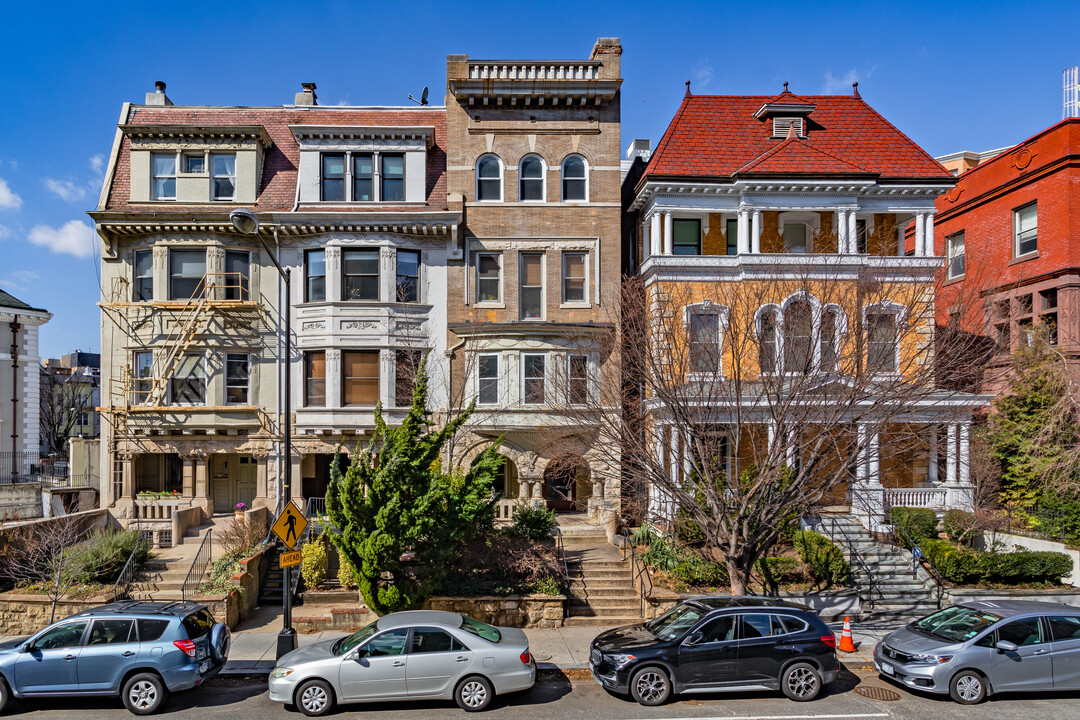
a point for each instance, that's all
(953, 76)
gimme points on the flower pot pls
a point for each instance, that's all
(239, 515)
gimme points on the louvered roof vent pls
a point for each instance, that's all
(781, 126)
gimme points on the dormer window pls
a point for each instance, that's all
(782, 126)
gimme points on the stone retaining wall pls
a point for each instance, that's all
(523, 611)
(22, 614)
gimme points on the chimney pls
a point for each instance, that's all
(158, 97)
(639, 147)
(308, 96)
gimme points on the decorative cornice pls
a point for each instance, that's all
(785, 187)
(306, 133)
(206, 133)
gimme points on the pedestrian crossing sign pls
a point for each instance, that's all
(290, 525)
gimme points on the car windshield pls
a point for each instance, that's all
(674, 622)
(956, 624)
(480, 630)
(347, 643)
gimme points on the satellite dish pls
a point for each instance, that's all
(423, 97)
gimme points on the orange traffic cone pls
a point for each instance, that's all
(846, 644)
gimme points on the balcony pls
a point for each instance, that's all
(797, 267)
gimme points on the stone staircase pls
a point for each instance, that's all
(162, 576)
(882, 573)
(601, 588)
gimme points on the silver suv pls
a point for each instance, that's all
(139, 650)
(975, 649)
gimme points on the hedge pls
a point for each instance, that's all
(957, 565)
(960, 526)
(963, 565)
(824, 561)
(919, 523)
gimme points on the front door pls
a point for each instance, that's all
(559, 485)
(222, 490)
(50, 664)
(436, 659)
(376, 669)
(759, 659)
(110, 649)
(713, 659)
(1029, 667)
(245, 480)
(1065, 653)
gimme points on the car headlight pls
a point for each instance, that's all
(930, 659)
(280, 672)
(622, 660)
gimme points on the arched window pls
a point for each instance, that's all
(489, 178)
(768, 342)
(798, 337)
(828, 341)
(575, 178)
(531, 178)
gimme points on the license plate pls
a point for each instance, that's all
(203, 667)
(887, 669)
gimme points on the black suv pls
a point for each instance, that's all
(713, 644)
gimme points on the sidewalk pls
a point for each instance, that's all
(254, 643)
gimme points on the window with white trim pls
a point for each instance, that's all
(957, 265)
(392, 178)
(237, 275)
(360, 271)
(577, 372)
(704, 332)
(193, 163)
(359, 378)
(188, 383)
(531, 278)
(798, 337)
(315, 378)
(187, 273)
(1026, 229)
(488, 277)
(223, 176)
(363, 177)
(237, 378)
(489, 178)
(144, 276)
(408, 276)
(163, 176)
(575, 178)
(533, 367)
(881, 342)
(406, 365)
(768, 342)
(333, 177)
(315, 271)
(829, 321)
(574, 286)
(487, 380)
(531, 178)
(142, 377)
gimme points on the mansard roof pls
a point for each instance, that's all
(722, 136)
(11, 302)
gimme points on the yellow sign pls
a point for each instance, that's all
(290, 525)
(290, 558)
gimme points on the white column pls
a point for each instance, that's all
(920, 234)
(790, 448)
(928, 248)
(861, 453)
(669, 234)
(646, 240)
(655, 235)
(852, 233)
(772, 435)
(950, 455)
(964, 465)
(744, 231)
(901, 246)
(755, 233)
(841, 231)
(931, 469)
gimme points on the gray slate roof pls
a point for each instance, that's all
(10, 301)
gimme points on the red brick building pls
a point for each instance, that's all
(1010, 233)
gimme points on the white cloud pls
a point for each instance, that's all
(19, 279)
(9, 200)
(702, 74)
(66, 190)
(97, 163)
(74, 238)
(841, 85)
(4, 232)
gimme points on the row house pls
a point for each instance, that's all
(1012, 246)
(773, 232)
(20, 381)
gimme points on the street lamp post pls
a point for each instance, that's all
(247, 223)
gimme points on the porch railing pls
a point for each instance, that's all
(927, 498)
(198, 567)
(21, 467)
(639, 573)
(504, 509)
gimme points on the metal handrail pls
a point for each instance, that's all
(638, 571)
(560, 545)
(198, 567)
(122, 586)
(919, 557)
(853, 555)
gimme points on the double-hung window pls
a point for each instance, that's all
(574, 277)
(315, 265)
(532, 285)
(881, 342)
(731, 237)
(163, 176)
(768, 343)
(142, 377)
(577, 372)
(392, 185)
(333, 176)
(487, 380)
(704, 342)
(575, 179)
(488, 277)
(315, 378)
(533, 376)
(406, 364)
(861, 243)
(188, 384)
(1026, 228)
(489, 178)
(363, 177)
(957, 265)
(237, 275)
(187, 273)
(531, 178)
(223, 181)
(360, 377)
(361, 274)
(144, 276)
(686, 237)
(798, 337)
(408, 276)
(237, 378)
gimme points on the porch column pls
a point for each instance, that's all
(950, 455)
(646, 240)
(772, 435)
(188, 475)
(297, 489)
(964, 465)
(867, 494)
(920, 234)
(901, 246)
(755, 233)
(655, 234)
(669, 234)
(928, 235)
(873, 465)
(852, 233)
(202, 484)
(127, 476)
(841, 232)
(744, 231)
(261, 473)
(932, 457)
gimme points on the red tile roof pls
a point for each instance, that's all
(717, 136)
(277, 186)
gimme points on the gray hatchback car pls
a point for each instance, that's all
(975, 649)
(140, 650)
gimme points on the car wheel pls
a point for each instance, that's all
(315, 697)
(5, 694)
(801, 682)
(144, 694)
(650, 686)
(968, 687)
(474, 694)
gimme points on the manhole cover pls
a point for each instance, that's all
(877, 693)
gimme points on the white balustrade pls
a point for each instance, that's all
(928, 498)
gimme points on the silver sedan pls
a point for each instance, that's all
(414, 655)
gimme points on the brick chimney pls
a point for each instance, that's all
(308, 96)
(158, 97)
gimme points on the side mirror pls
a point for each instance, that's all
(693, 639)
(1006, 646)
(25, 647)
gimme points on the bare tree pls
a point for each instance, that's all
(65, 397)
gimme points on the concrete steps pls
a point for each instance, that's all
(601, 590)
(162, 576)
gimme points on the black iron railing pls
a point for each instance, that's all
(560, 547)
(837, 533)
(21, 467)
(122, 586)
(198, 567)
(919, 559)
(639, 572)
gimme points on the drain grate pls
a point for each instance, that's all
(877, 693)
